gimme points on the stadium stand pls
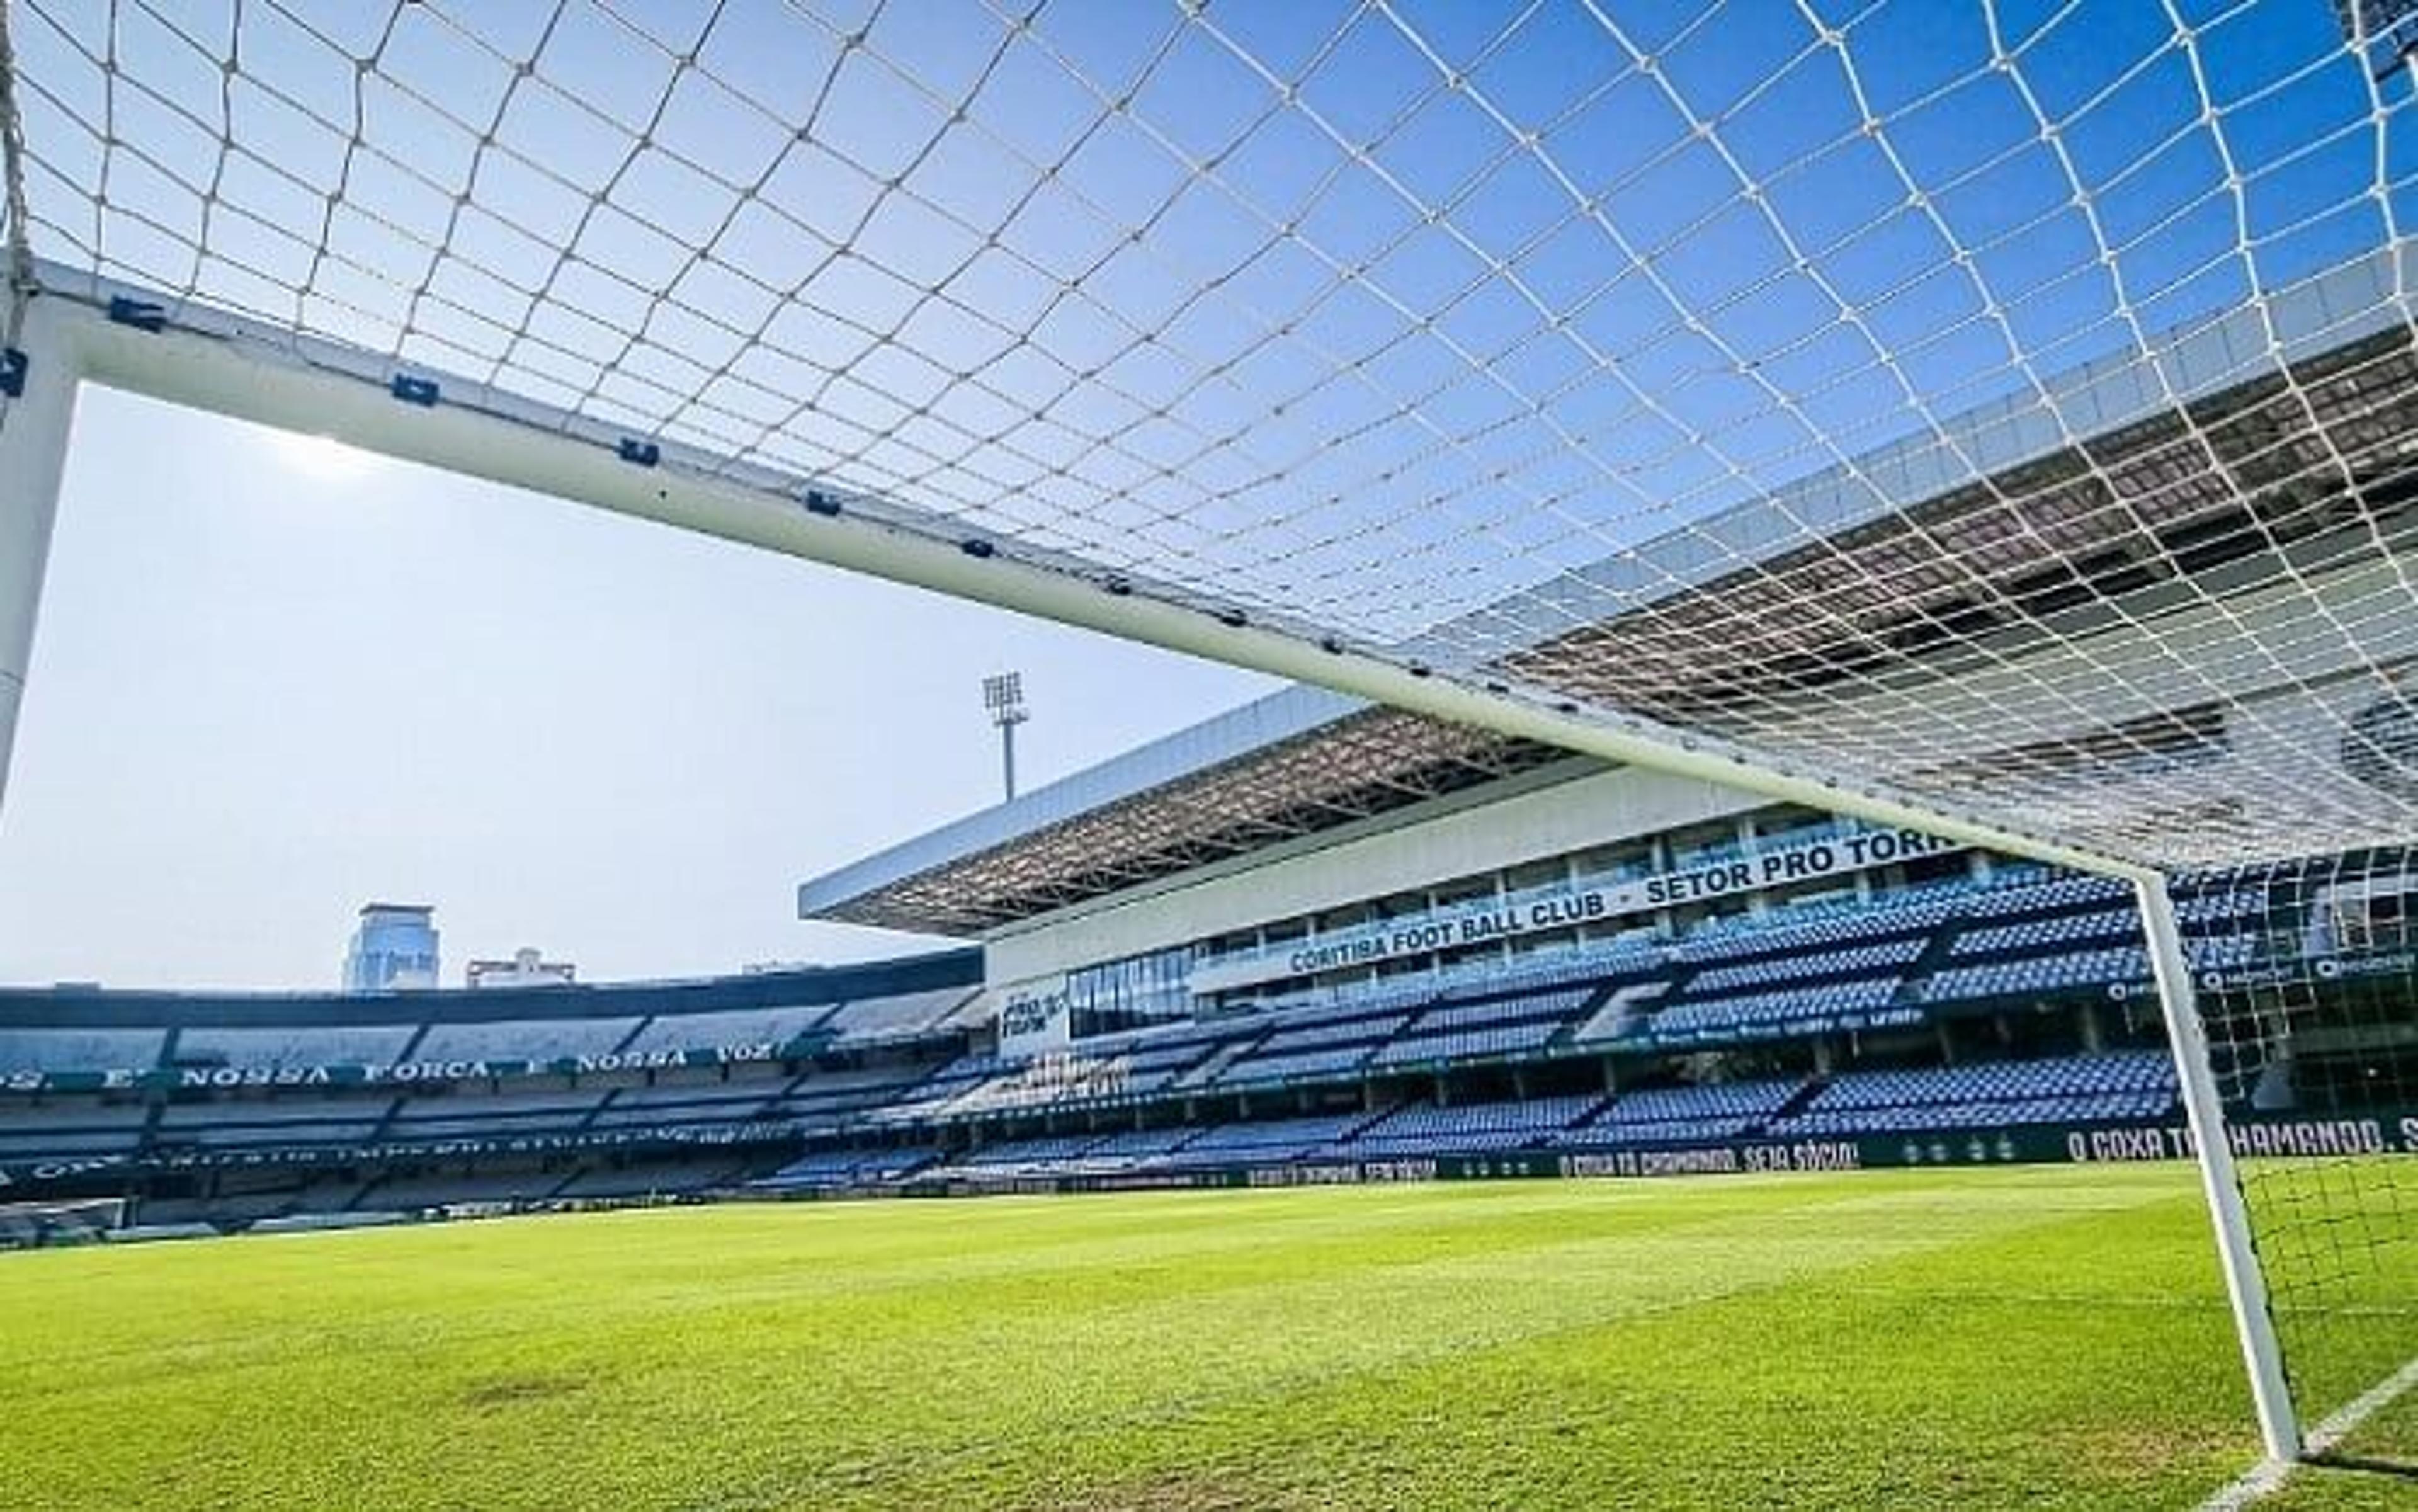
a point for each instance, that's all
(835, 1169)
(1804, 1010)
(539, 1040)
(768, 1026)
(2039, 976)
(670, 1098)
(77, 1051)
(237, 1110)
(1136, 1149)
(1473, 1044)
(209, 1044)
(1309, 1065)
(1271, 1141)
(70, 1128)
(1472, 1128)
(1356, 1029)
(267, 1123)
(2072, 1090)
(1774, 1026)
(2057, 933)
(905, 1018)
(1790, 935)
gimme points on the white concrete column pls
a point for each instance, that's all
(33, 455)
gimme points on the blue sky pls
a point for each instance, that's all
(273, 681)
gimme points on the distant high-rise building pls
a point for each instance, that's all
(394, 947)
(526, 969)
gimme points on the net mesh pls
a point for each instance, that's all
(2008, 406)
(1999, 405)
(2307, 1000)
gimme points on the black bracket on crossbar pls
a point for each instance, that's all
(142, 315)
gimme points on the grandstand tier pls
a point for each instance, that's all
(1984, 1016)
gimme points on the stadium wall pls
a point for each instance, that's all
(1462, 835)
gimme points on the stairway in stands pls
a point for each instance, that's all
(1626, 1007)
(1937, 953)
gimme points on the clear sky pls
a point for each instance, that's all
(274, 680)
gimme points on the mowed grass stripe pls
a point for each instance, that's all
(1155, 1250)
(842, 1256)
(1291, 1450)
(1637, 1343)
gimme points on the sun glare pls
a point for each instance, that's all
(321, 457)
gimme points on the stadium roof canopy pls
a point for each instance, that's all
(1282, 768)
(89, 1005)
(1915, 556)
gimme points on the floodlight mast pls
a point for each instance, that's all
(1004, 696)
(226, 373)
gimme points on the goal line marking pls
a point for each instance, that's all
(2268, 1476)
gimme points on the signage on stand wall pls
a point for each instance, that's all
(1472, 924)
(1035, 1017)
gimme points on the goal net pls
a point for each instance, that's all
(2308, 971)
(1996, 413)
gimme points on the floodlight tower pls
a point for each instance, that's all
(1003, 695)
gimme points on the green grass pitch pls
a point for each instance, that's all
(2043, 1336)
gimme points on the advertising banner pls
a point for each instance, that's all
(1035, 1017)
(1474, 924)
(469, 1147)
(394, 1072)
(2386, 1135)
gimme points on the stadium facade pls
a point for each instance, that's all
(1316, 938)
(1359, 911)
